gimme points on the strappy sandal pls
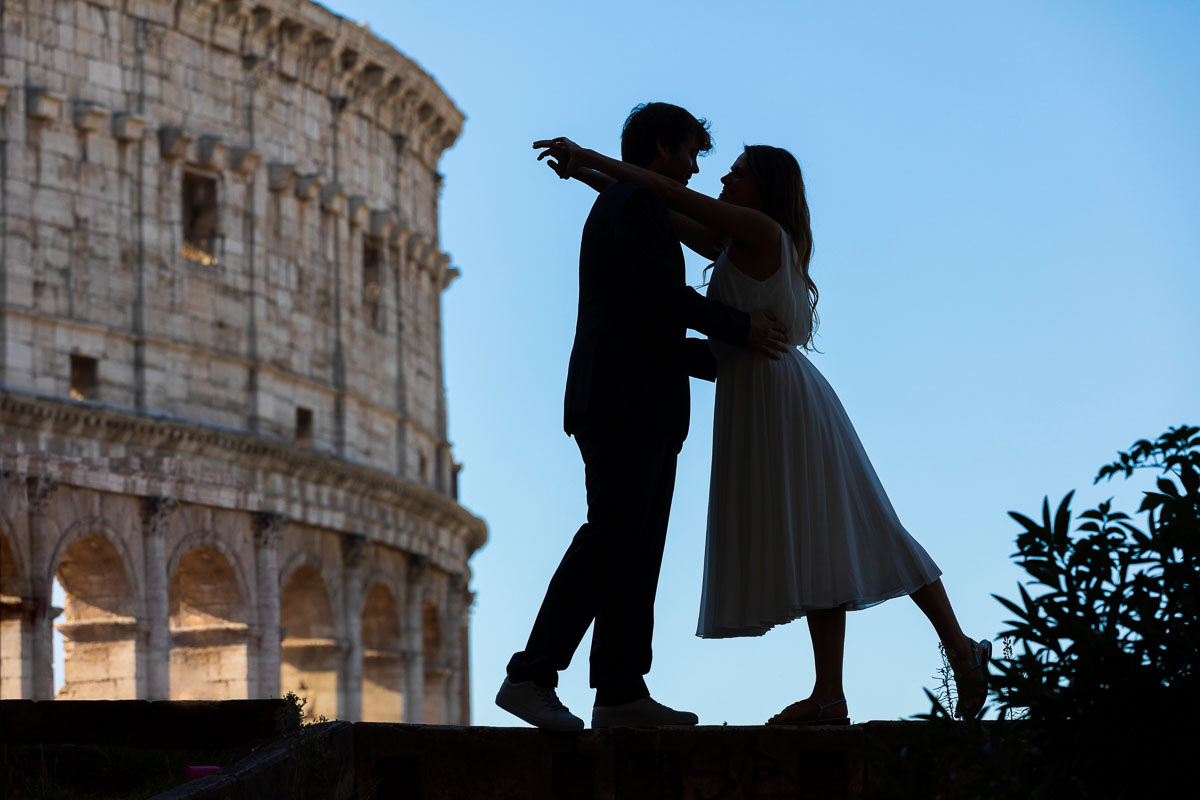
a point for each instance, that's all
(819, 720)
(981, 652)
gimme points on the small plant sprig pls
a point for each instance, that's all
(291, 717)
(947, 690)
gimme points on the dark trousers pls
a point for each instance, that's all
(609, 574)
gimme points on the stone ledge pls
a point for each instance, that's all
(314, 762)
(367, 760)
(42, 103)
(379, 760)
(101, 630)
(436, 762)
(127, 127)
(166, 433)
(87, 116)
(510, 763)
(157, 723)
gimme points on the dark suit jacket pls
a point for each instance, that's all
(631, 359)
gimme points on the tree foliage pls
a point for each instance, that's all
(1116, 614)
(1097, 697)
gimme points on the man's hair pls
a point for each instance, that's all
(650, 124)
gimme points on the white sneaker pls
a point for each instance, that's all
(644, 713)
(537, 705)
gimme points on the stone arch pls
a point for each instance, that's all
(311, 650)
(383, 656)
(214, 541)
(388, 580)
(306, 558)
(311, 614)
(100, 630)
(207, 613)
(98, 526)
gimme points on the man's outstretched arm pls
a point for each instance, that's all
(755, 330)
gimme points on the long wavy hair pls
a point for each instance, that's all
(781, 186)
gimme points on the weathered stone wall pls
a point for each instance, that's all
(233, 567)
(321, 139)
(223, 415)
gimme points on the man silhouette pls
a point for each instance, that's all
(628, 407)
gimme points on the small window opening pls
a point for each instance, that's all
(200, 219)
(424, 468)
(85, 378)
(304, 426)
(372, 283)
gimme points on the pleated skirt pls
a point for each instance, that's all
(797, 519)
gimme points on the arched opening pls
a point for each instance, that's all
(436, 671)
(209, 648)
(383, 658)
(99, 629)
(311, 651)
(14, 626)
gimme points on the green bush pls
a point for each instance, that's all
(1097, 698)
(1113, 635)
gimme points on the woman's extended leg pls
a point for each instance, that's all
(972, 688)
(827, 628)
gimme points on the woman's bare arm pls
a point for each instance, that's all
(697, 237)
(765, 334)
(746, 226)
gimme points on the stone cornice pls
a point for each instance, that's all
(213, 355)
(152, 440)
(302, 39)
(288, 40)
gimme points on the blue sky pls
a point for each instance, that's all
(1004, 202)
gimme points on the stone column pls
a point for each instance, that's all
(155, 523)
(414, 644)
(37, 495)
(444, 460)
(399, 241)
(465, 650)
(354, 549)
(454, 616)
(267, 528)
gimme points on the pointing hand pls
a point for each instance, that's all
(563, 154)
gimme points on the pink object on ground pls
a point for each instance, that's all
(191, 773)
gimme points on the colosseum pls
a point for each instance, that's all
(223, 411)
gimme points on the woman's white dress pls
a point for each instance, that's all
(797, 517)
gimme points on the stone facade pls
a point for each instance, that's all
(223, 412)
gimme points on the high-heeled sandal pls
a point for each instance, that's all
(981, 653)
(819, 719)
